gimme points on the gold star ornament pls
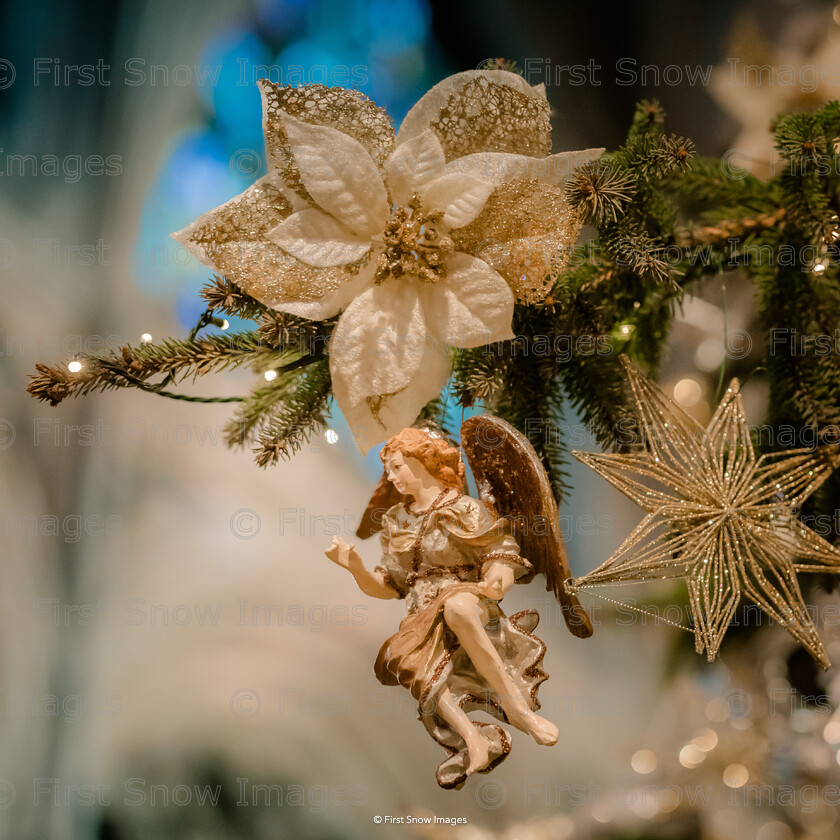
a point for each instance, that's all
(718, 517)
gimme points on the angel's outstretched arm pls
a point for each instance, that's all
(371, 583)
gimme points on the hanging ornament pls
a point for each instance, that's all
(453, 558)
(718, 517)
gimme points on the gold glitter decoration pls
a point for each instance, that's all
(348, 207)
(414, 245)
(348, 111)
(248, 217)
(281, 278)
(525, 231)
(487, 117)
(717, 517)
(232, 239)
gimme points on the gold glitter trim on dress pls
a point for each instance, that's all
(718, 517)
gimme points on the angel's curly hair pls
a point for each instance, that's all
(441, 459)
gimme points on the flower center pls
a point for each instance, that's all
(414, 244)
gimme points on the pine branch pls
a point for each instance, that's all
(256, 409)
(301, 414)
(726, 230)
(135, 365)
(600, 190)
(529, 397)
(299, 335)
(224, 295)
(479, 373)
(596, 388)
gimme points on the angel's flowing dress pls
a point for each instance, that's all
(427, 558)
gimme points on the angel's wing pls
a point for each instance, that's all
(511, 479)
(384, 497)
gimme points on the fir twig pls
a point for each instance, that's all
(301, 414)
(225, 296)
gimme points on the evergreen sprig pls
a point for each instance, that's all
(301, 414)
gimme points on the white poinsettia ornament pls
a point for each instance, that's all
(421, 241)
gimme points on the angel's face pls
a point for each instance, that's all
(407, 475)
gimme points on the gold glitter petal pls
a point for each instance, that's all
(348, 111)
(526, 232)
(233, 240)
(247, 218)
(485, 116)
(277, 278)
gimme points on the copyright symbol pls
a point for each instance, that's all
(736, 164)
(738, 344)
(490, 64)
(245, 703)
(427, 706)
(7, 73)
(377, 819)
(7, 433)
(246, 162)
(8, 794)
(488, 435)
(493, 252)
(245, 523)
(739, 703)
(490, 794)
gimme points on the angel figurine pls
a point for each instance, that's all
(453, 558)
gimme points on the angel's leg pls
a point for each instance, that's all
(477, 745)
(462, 612)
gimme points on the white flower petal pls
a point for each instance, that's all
(379, 341)
(428, 107)
(471, 306)
(414, 164)
(461, 197)
(373, 421)
(318, 239)
(331, 304)
(340, 175)
(498, 167)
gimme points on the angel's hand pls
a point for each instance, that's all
(339, 552)
(497, 581)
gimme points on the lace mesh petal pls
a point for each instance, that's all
(232, 239)
(349, 111)
(526, 232)
(487, 117)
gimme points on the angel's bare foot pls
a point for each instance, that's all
(479, 750)
(543, 731)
